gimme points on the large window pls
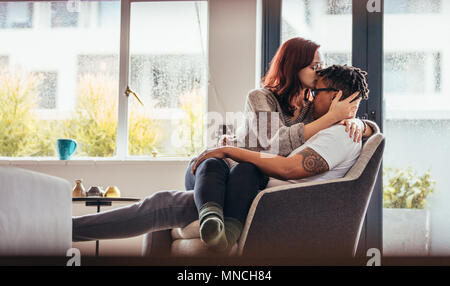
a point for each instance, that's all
(168, 71)
(303, 18)
(417, 123)
(63, 87)
(68, 85)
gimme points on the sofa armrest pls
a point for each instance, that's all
(35, 213)
(311, 220)
(157, 244)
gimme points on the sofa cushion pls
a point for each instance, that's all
(190, 231)
(189, 247)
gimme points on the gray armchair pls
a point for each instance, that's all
(311, 219)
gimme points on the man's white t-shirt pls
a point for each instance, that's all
(336, 147)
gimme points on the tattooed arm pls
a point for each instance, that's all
(304, 164)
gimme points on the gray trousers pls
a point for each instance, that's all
(160, 211)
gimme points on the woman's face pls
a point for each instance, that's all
(307, 75)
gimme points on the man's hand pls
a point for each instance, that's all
(218, 153)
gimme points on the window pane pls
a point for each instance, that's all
(109, 14)
(4, 60)
(168, 68)
(304, 18)
(66, 85)
(416, 124)
(412, 6)
(62, 17)
(16, 15)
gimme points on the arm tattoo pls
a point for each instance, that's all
(313, 162)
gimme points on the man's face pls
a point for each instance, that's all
(323, 99)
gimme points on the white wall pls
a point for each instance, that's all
(232, 53)
(232, 59)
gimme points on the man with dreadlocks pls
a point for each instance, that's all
(327, 155)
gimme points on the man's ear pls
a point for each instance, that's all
(334, 95)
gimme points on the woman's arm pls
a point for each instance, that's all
(304, 164)
(288, 138)
(311, 129)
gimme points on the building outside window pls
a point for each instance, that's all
(47, 89)
(61, 17)
(16, 15)
(69, 81)
(4, 62)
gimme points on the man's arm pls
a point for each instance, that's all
(306, 163)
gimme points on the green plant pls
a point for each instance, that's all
(191, 126)
(403, 188)
(144, 133)
(94, 121)
(21, 131)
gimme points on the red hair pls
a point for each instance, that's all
(282, 76)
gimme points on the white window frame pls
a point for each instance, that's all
(124, 70)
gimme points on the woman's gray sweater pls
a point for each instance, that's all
(267, 129)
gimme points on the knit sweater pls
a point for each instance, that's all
(267, 128)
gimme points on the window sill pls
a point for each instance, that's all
(5, 161)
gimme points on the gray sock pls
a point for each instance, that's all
(233, 230)
(212, 227)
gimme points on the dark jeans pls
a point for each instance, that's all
(234, 189)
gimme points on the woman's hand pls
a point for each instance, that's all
(218, 153)
(226, 140)
(344, 109)
(354, 126)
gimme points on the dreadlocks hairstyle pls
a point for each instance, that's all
(346, 78)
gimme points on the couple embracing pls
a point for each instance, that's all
(317, 137)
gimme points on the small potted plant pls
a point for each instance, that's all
(406, 220)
